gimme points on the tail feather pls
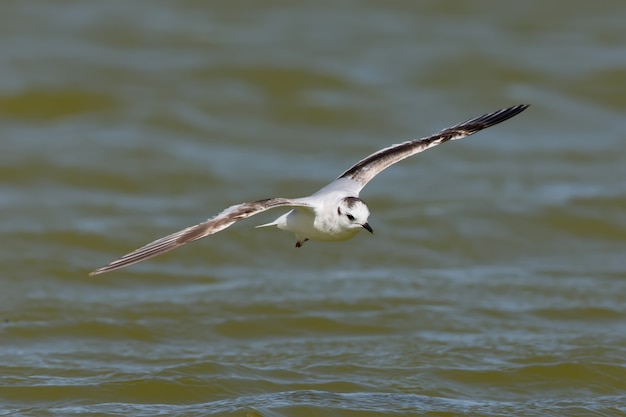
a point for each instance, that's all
(274, 223)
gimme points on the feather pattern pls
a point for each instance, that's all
(213, 225)
(367, 168)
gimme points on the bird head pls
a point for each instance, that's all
(353, 214)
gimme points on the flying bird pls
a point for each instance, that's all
(333, 213)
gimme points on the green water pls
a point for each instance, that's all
(495, 282)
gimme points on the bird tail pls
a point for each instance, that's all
(280, 222)
(274, 223)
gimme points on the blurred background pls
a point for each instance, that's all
(494, 283)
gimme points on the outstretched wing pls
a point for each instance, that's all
(366, 169)
(213, 225)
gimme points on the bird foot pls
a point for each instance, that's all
(299, 243)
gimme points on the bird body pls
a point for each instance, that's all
(325, 215)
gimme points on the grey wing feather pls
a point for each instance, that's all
(367, 168)
(213, 225)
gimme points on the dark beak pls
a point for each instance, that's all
(367, 227)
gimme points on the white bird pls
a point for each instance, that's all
(333, 213)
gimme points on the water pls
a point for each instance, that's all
(494, 284)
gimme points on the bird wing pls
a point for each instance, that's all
(213, 225)
(363, 171)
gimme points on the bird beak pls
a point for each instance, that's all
(367, 227)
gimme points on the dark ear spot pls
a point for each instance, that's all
(339, 211)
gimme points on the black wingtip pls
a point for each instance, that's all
(502, 115)
(505, 114)
(490, 119)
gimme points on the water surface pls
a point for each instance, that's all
(494, 284)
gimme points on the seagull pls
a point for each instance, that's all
(333, 213)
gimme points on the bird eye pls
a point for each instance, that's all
(350, 217)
